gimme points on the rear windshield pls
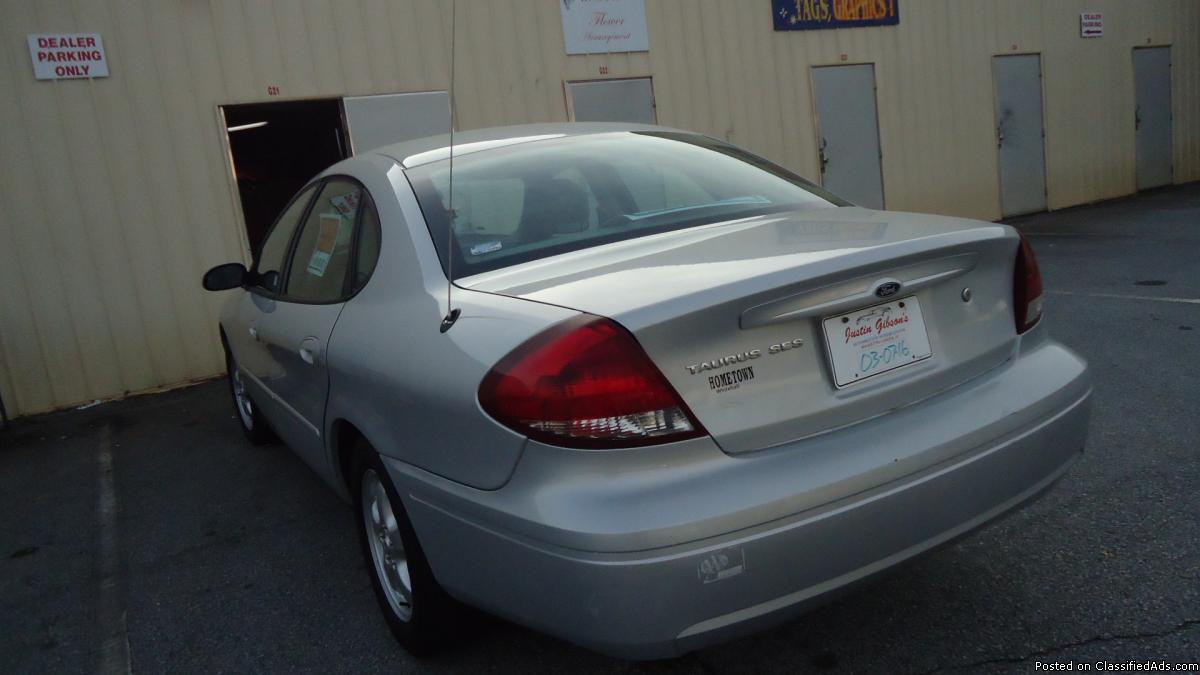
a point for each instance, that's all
(542, 198)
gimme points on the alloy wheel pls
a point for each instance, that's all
(244, 407)
(387, 547)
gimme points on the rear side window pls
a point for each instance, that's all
(321, 260)
(269, 263)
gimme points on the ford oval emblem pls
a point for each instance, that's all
(887, 289)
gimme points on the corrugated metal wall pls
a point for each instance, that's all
(116, 194)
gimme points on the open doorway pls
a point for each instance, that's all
(276, 149)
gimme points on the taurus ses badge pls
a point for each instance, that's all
(887, 289)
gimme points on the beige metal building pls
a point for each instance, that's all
(117, 192)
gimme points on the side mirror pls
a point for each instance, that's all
(269, 281)
(225, 277)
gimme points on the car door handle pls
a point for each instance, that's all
(310, 349)
(254, 332)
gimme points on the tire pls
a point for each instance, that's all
(416, 608)
(254, 426)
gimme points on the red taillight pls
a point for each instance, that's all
(1027, 288)
(586, 383)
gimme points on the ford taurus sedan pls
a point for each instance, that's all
(674, 394)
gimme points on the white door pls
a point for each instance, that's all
(848, 133)
(375, 121)
(1019, 133)
(1152, 115)
(630, 100)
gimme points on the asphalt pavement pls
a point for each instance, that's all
(147, 532)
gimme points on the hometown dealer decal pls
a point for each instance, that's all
(731, 379)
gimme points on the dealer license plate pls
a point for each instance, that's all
(874, 340)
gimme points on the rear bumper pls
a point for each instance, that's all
(646, 559)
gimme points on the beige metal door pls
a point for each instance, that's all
(1152, 116)
(1019, 134)
(848, 138)
(629, 100)
(375, 121)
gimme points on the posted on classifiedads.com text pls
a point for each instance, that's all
(1143, 666)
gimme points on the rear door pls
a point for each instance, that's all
(1152, 115)
(848, 139)
(1019, 133)
(293, 326)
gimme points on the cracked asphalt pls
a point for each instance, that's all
(224, 557)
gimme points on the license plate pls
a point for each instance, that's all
(874, 340)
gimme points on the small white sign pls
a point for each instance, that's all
(602, 26)
(67, 56)
(1091, 24)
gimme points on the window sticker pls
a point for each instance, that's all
(331, 226)
(486, 247)
(346, 204)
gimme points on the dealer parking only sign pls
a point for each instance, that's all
(67, 56)
(1091, 24)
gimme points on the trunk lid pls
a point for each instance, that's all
(713, 301)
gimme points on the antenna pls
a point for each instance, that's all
(451, 313)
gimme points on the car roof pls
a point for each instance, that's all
(417, 152)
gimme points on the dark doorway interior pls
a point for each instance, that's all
(277, 148)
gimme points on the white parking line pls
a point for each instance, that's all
(1123, 296)
(114, 651)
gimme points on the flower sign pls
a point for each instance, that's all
(602, 26)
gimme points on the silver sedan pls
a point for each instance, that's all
(674, 393)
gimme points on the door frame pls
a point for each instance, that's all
(226, 148)
(996, 128)
(1171, 112)
(239, 216)
(569, 101)
(816, 118)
